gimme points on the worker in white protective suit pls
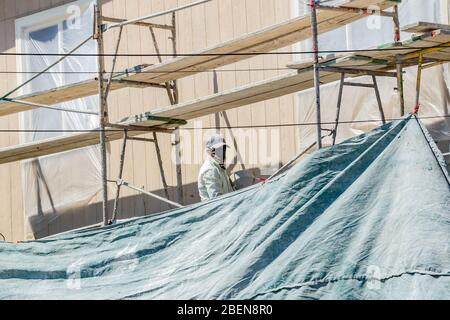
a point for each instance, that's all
(213, 180)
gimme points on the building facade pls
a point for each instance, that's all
(60, 192)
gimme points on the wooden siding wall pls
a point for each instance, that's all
(197, 28)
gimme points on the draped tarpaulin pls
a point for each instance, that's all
(366, 219)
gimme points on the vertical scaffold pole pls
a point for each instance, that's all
(418, 84)
(119, 182)
(400, 88)
(378, 96)
(397, 38)
(338, 109)
(103, 114)
(177, 143)
(315, 44)
(396, 24)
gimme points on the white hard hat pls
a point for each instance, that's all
(216, 141)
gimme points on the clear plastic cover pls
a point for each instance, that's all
(58, 183)
(359, 104)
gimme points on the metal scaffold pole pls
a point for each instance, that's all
(103, 114)
(315, 44)
(400, 88)
(418, 84)
(397, 30)
(177, 142)
(397, 38)
(173, 95)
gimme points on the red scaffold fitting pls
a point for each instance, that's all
(416, 109)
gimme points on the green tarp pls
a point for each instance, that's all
(366, 219)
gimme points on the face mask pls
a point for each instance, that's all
(220, 154)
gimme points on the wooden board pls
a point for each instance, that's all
(196, 108)
(67, 93)
(54, 96)
(422, 27)
(264, 40)
(245, 95)
(426, 40)
(430, 39)
(75, 141)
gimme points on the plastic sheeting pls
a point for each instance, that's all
(360, 103)
(360, 220)
(55, 184)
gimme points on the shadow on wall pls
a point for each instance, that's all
(137, 205)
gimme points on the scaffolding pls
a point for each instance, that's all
(415, 53)
(376, 63)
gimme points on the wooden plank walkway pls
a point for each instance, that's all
(264, 40)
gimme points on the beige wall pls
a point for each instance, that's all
(198, 27)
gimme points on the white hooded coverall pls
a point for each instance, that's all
(213, 180)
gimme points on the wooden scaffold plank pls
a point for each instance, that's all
(352, 65)
(244, 47)
(256, 92)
